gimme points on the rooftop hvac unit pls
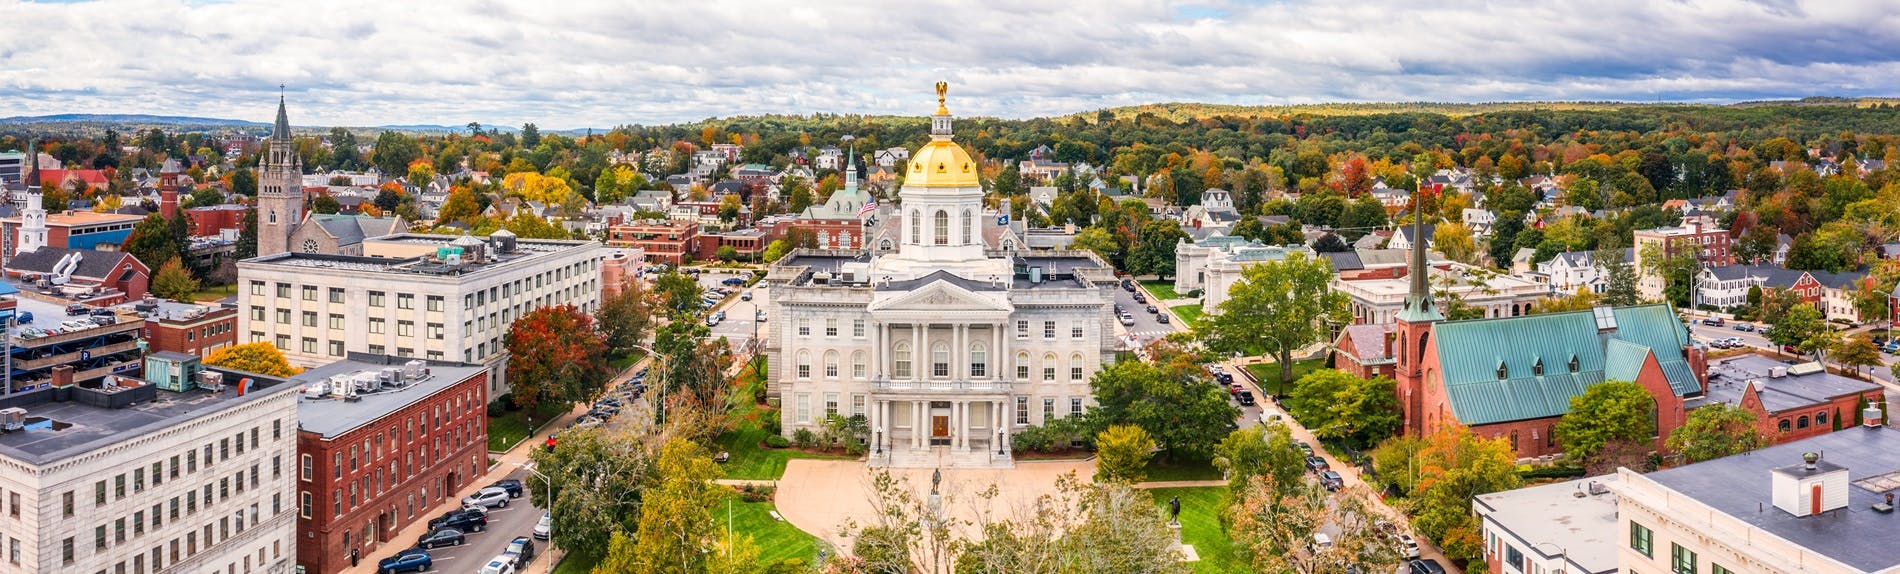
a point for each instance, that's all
(12, 419)
(414, 369)
(316, 390)
(1777, 372)
(211, 381)
(365, 382)
(392, 376)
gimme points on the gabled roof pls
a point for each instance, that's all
(1368, 341)
(352, 229)
(93, 264)
(1470, 359)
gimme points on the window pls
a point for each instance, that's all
(940, 360)
(804, 408)
(1075, 367)
(1681, 560)
(831, 364)
(969, 223)
(1801, 422)
(405, 328)
(310, 292)
(1022, 366)
(1075, 406)
(1048, 410)
(1783, 425)
(257, 313)
(376, 326)
(1075, 331)
(1820, 418)
(283, 316)
(900, 361)
(1048, 329)
(375, 298)
(979, 361)
(1049, 367)
(1537, 369)
(1022, 329)
(1022, 410)
(336, 295)
(858, 367)
(1718, 569)
(857, 405)
(1641, 539)
(336, 348)
(66, 551)
(916, 227)
(831, 327)
(310, 345)
(804, 327)
(1514, 558)
(283, 290)
(804, 364)
(405, 301)
(435, 331)
(306, 467)
(257, 288)
(857, 328)
(940, 227)
(831, 406)
(66, 504)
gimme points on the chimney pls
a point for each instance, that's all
(63, 376)
(1870, 417)
(1810, 488)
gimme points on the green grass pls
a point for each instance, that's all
(1200, 527)
(1162, 289)
(1189, 314)
(777, 540)
(620, 363)
(1269, 373)
(214, 292)
(575, 564)
(1159, 470)
(749, 460)
(505, 431)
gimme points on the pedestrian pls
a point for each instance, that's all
(353, 557)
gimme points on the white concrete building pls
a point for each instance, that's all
(945, 346)
(128, 479)
(1567, 527)
(411, 295)
(1379, 300)
(1215, 264)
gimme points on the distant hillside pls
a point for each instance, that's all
(137, 119)
(1181, 111)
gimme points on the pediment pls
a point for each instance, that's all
(940, 296)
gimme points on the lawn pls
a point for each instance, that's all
(508, 429)
(214, 292)
(1160, 288)
(1189, 314)
(574, 564)
(620, 363)
(1159, 471)
(777, 540)
(1269, 373)
(1200, 527)
(749, 460)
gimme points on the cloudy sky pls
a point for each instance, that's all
(580, 63)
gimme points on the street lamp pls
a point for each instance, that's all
(550, 482)
(659, 409)
(1563, 556)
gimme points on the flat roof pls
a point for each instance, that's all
(71, 218)
(525, 250)
(330, 417)
(94, 427)
(1728, 381)
(1584, 527)
(1739, 486)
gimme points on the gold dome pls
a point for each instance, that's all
(941, 163)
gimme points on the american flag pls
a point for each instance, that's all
(869, 207)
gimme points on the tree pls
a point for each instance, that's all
(1858, 351)
(1620, 290)
(1608, 414)
(394, 152)
(1278, 307)
(1273, 527)
(1455, 241)
(624, 317)
(324, 204)
(153, 242)
(462, 206)
(1800, 324)
(678, 294)
(261, 357)
(676, 523)
(555, 355)
(1096, 240)
(244, 182)
(173, 282)
(1453, 467)
(530, 136)
(1183, 412)
(420, 173)
(1717, 430)
(1582, 300)
(1119, 529)
(1153, 253)
(1331, 243)
(1676, 269)
(1266, 452)
(247, 235)
(1122, 454)
(598, 475)
(1339, 406)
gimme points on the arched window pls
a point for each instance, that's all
(831, 364)
(804, 364)
(1422, 340)
(884, 245)
(1820, 418)
(844, 240)
(858, 370)
(1009, 245)
(1801, 422)
(979, 361)
(273, 216)
(941, 227)
(1783, 425)
(916, 227)
(1075, 367)
(824, 239)
(310, 246)
(969, 224)
(1574, 364)
(900, 361)
(1049, 367)
(1022, 366)
(940, 360)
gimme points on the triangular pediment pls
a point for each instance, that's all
(939, 296)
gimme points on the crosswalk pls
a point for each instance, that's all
(1153, 334)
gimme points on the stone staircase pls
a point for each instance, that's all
(942, 456)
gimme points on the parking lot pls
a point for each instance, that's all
(1146, 328)
(504, 524)
(739, 325)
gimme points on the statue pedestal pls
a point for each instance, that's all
(1185, 550)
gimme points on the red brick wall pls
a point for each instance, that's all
(1842, 407)
(456, 450)
(197, 337)
(206, 222)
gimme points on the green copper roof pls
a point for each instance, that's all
(1471, 353)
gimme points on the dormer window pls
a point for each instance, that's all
(1538, 367)
(1504, 372)
(1574, 365)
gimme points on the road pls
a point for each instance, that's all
(1146, 329)
(1881, 374)
(504, 524)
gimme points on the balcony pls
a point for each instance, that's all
(941, 386)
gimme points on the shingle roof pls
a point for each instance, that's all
(1368, 341)
(92, 264)
(352, 229)
(1469, 358)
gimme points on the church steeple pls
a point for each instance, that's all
(279, 187)
(282, 130)
(1419, 306)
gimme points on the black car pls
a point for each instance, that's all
(513, 486)
(1128, 286)
(463, 520)
(522, 548)
(1151, 309)
(1316, 464)
(1245, 397)
(1427, 566)
(437, 537)
(1139, 298)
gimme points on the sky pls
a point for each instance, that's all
(567, 64)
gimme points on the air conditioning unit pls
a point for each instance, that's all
(211, 381)
(12, 419)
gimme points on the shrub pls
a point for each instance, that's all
(759, 493)
(776, 441)
(502, 405)
(770, 421)
(804, 438)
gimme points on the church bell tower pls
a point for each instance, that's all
(279, 188)
(1413, 329)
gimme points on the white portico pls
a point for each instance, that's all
(947, 346)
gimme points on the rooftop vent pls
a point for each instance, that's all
(1813, 487)
(12, 419)
(1777, 372)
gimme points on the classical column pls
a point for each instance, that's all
(877, 350)
(916, 425)
(960, 352)
(996, 353)
(877, 426)
(963, 423)
(917, 351)
(996, 425)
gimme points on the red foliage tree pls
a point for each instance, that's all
(555, 354)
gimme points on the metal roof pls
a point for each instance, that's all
(1470, 359)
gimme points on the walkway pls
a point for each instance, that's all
(820, 496)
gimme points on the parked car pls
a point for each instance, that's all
(1713, 321)
(1128, 320)
(1426, 566)
(24, 317)
(1269, 416)
(413, 559)
(1151, 309)
(1128, 286)
(438, 537)
(746, 296)
(734, 281)
(1161, 318)
(1316, 464)
(462, 520)
(1246, 398)
(1321, 541)
(1331, 480)
(1305, 448)
(77, 309)
(1744, 327)
(1234, 390)
(522, 548)
(513, 485)
(1408, 548)
(503, 564)
(544, 527)
(1139, 298)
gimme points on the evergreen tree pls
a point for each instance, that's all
(247, 236)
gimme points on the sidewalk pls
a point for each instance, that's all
(504, 465)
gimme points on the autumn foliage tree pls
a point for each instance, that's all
(260, 357)
(172, 281)
(556, 355)
(1445, 470)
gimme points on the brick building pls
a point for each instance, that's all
(618, 269)
(1710, 242)
(1791, 402)
(670, 242)
(71, 230)
(1364, 350)
(211, 220)
(188, 328)
(414, 433)
(749, 243)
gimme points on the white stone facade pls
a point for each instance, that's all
(316, 309)
(212, 493)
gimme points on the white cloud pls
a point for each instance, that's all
(595, 63)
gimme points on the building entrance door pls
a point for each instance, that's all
(939, 430)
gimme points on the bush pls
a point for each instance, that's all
(756, 493)
(776, 441)
(770, 421)
(804, 438)
(502, 405)
(1556, 471)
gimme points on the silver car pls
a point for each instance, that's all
(488, 498)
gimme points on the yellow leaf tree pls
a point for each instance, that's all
(260, 357)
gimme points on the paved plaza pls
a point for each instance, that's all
(818, 496)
